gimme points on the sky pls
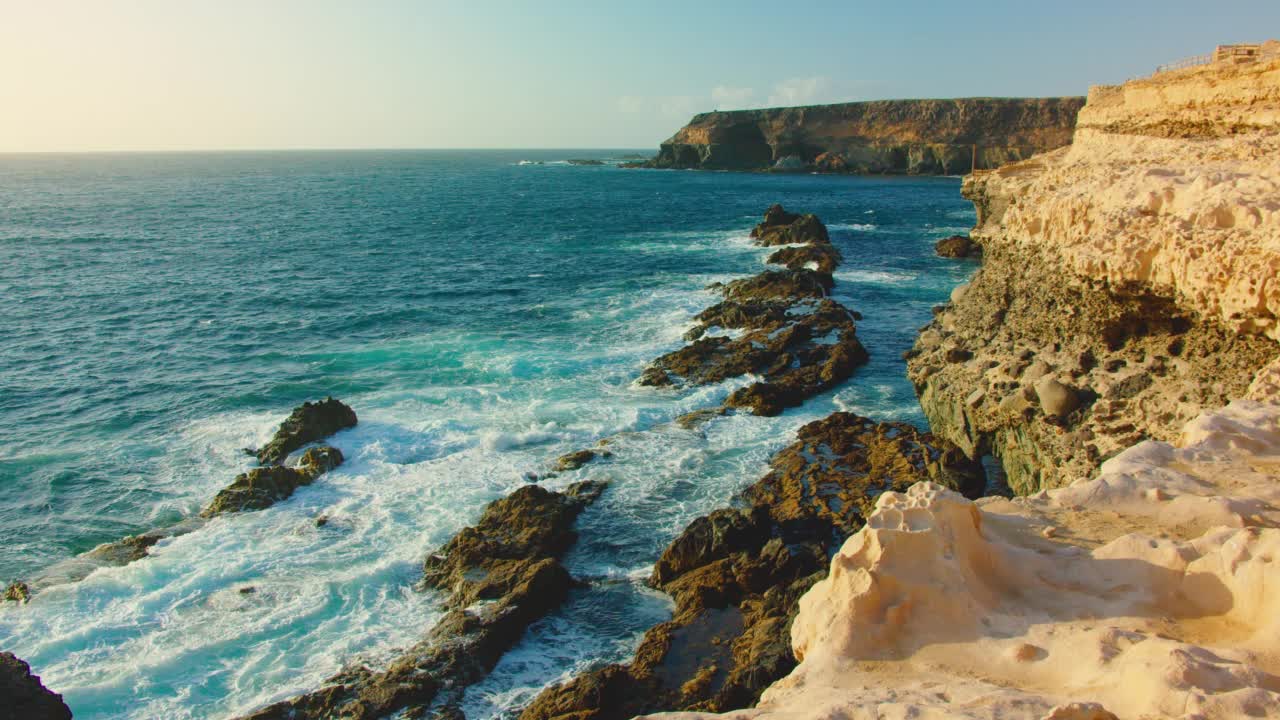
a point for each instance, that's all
(117, 75)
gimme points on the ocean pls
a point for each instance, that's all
(482, 311)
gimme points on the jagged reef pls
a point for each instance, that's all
(926, 137)
(1128, 281)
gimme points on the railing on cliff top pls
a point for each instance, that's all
(1221, 54)
(1192, 61)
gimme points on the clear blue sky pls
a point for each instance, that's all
(220, 74)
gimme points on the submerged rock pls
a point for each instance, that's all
(24, 697)
(309, 422)
(499, 576)
(737, 575)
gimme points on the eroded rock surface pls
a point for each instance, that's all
(778, 325)
(736, 575)
(24, 697)
(498, 576)
(1128, 282)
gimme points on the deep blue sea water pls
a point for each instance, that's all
(482, 316)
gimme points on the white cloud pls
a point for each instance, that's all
(732, 98)
(797, 91)
(631, 104)
(683, 106)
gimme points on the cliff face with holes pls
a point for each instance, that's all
(887, 136)
(1129, 281)
(1117, 352)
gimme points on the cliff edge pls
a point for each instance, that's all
(927, 137)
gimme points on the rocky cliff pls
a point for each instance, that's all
(1128, 281)
(886, 136)
(1117, 352)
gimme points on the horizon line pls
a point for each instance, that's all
(161, 151)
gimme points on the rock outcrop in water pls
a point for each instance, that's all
(253, 490)
(498, 576)
(24, 697)
(927, 137)
(309, 422)
(1126, 294)
(737, 574)
(778, 325)
(263, 487)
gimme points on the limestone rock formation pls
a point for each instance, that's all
(777, 324)
(309, 422)
(736, 575)
(928, 137)
(497, 576)
(1128, 281)
(1146, 592)
(24, 697)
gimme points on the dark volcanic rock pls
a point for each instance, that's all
(800, 342)
(309, 422)
(779, 285)
(23, 697)
(783, 228)
(800, 350)
(265, 486)
(737, 575)
(820, 258)
(957, 246)
(500, 575)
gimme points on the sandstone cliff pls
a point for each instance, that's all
(886, 136)
(1128, 282)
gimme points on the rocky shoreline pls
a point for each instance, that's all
(1117, 353)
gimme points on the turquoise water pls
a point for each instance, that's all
(482, 316)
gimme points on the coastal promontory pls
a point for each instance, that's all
(917, 137)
